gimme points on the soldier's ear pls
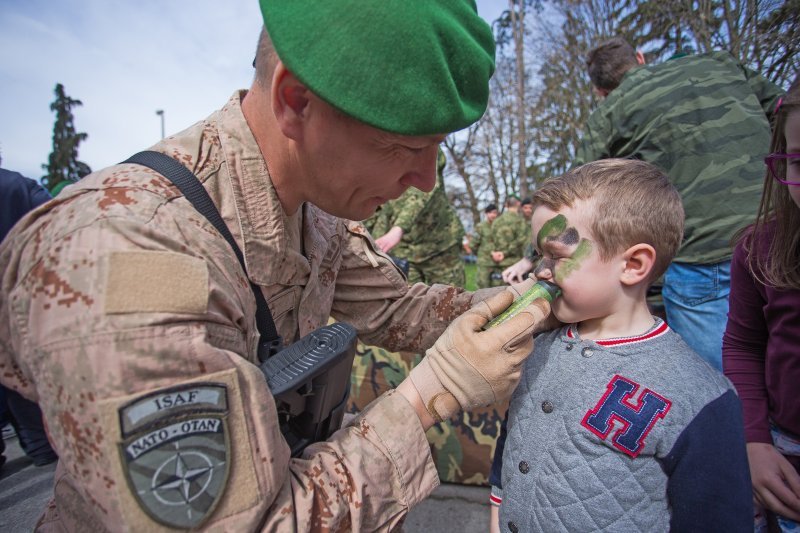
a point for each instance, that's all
(640, 57)
(290, 99)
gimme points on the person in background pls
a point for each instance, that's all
(704, 120)
(616, 425)
(481, 243)
(18, 196)
(425, 230)
(511, 235)
(761, 346)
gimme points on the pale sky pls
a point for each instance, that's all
(124, 60)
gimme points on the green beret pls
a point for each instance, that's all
(413, 67)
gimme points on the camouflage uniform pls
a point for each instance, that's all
(432, 234)
(126, 315)
(482, 244)
(378, 223)
(462, 447)
(510, 237)
(713, 154)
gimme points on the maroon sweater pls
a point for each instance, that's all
(761, 349)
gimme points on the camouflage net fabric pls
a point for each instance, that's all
(462, 448)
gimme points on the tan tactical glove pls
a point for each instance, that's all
(467, 367)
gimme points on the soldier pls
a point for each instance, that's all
(425, 230)
(511, 235)
(127, 315)
(704, 120)
(481, 243)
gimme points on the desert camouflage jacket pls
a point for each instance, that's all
(703, 120)
(127, 316)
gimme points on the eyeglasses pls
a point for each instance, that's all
(784, 167)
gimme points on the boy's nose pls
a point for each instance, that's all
(543, 270)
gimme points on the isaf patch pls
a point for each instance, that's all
(176, 452)
(637, 419)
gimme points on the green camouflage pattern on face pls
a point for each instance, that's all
(511, 235)
(462, 448)
(703, 120)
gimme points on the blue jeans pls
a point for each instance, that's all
(696, 303)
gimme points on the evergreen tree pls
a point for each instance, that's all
(63, 166)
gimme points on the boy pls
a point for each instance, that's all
(616, 424)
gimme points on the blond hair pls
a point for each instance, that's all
(630, 201)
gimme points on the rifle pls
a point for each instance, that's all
(310, 381)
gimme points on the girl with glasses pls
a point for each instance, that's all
(761, 345)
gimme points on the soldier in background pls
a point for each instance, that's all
(511, 235)
(424, 229)
(526, 209)
(481, 243)
(703, 120)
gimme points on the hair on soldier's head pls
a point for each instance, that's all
(608, 62)
(266, 59)
(629, 202)
(512, 200)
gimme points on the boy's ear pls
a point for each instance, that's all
(639, 260)
(290, 99)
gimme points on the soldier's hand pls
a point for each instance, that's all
(498, 256)
(468, 367)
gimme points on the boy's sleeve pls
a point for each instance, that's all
(495, 479)
(709, 479)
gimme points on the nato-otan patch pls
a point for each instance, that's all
(175, 452)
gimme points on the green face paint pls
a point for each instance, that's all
(551, 229)
(574, 262)
(556, 229)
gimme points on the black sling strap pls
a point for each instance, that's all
(193, 190)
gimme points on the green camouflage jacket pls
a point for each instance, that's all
(482, 243)
(704, 120)
(430, 224)
(510, 237)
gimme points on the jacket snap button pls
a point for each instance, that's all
(513, 527)
(568, 347)
(524, 467)
(587, 352)
(547, 407)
